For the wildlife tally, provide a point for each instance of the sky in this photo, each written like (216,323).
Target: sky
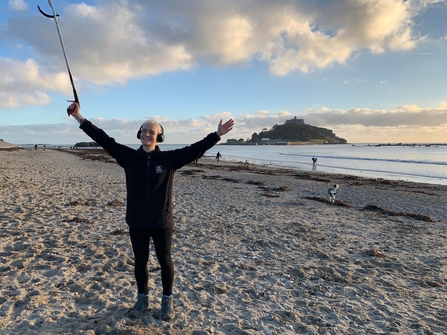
(373,71)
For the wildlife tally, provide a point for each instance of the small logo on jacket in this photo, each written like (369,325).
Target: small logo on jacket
(159,169)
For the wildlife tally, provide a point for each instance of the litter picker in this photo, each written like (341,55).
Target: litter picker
(55,17)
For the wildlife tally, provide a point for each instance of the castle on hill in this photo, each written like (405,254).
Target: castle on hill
(295,121)
(293,131)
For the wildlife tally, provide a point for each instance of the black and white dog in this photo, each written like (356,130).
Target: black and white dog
(332,191)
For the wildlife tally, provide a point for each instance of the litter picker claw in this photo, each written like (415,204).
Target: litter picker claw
(55,17)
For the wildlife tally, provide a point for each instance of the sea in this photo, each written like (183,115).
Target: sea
(422,163)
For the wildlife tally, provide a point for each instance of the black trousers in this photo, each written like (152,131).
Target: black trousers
(162,238)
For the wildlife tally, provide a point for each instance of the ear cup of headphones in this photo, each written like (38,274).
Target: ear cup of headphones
(139,132)
(161,137)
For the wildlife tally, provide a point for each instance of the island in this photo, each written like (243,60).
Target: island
(292,132)
(86,145)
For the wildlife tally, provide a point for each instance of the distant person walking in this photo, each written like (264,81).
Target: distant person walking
(149,181)
(218,156)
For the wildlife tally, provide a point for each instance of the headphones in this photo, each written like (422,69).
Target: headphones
(160,137)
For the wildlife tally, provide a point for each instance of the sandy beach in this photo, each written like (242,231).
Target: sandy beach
(6,145)
(256,251)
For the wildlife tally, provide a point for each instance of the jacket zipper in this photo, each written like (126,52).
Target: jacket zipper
(148,162)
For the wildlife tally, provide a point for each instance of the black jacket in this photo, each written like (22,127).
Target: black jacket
(149,177)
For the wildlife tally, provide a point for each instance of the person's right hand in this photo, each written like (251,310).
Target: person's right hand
(74,108)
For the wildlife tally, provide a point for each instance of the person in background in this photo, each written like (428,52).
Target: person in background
(149,181)
(218,156)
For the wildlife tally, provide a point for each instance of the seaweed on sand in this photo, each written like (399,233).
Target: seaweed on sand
(421,217)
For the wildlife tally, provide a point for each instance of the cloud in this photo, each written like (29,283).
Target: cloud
(115,41)
(410,115)
(408,124)
(18,5)
(402,134)
(356,81)
(424,53)
(24,83)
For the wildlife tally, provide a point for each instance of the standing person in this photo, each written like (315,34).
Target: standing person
(149,180)
(218,156)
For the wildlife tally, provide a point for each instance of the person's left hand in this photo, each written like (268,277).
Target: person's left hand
(222,129)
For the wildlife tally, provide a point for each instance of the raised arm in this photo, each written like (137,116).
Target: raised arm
(98,135)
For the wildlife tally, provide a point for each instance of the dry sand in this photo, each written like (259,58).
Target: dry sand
(6,145)
(256,251)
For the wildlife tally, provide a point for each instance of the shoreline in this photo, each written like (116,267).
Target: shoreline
(100,154)
(420,175)
(257,250)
